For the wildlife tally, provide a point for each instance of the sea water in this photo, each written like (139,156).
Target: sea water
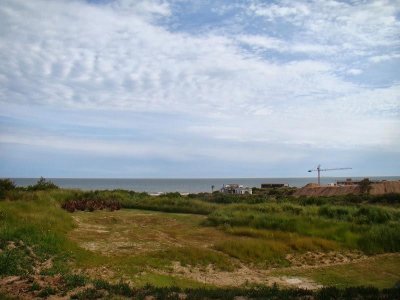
(192,185)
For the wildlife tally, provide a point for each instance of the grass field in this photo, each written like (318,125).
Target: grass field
(215,246)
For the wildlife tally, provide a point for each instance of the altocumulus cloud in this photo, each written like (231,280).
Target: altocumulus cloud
(182,88)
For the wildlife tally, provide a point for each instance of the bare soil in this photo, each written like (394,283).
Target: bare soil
(381,188)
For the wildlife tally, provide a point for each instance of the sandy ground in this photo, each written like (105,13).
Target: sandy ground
(381,188)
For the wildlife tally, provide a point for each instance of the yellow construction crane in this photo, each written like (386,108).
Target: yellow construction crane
(319,170)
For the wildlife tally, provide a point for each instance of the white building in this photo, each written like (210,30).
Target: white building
(235,189)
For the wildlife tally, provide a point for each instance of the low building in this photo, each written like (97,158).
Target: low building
(350,182)
(273,185)
(236,189)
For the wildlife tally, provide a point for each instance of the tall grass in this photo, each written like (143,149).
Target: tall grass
(33,231)
(294,241)
(255,251)
(381,239)
(170,204)
(369,228)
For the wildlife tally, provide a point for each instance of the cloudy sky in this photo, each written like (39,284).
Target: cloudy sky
(198,88)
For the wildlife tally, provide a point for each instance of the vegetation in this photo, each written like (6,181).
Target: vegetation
(42,185)
(90,201)
(5,186)
(365,186)
(207,234)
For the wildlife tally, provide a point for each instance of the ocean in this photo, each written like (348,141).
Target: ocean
(195,185)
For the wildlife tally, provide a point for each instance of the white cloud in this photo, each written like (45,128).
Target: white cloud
(99,57)
(356,26)
(382,58)
(109,58)
(354,71)
(148,8)
(266,42)
(294,10)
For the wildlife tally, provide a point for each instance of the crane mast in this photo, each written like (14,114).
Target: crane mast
(319,170)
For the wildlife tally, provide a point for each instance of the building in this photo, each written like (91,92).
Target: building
(273,185)
(235,189)
(350,181)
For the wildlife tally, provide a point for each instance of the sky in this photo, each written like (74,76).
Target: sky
(199,88)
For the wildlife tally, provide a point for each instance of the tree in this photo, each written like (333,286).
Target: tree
(42,184)
(6,185)
(365,186)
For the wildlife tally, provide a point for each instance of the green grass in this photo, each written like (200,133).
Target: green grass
(40,225)
(254,251)
(173,205)
(370,229)
(140,246)
(293,241)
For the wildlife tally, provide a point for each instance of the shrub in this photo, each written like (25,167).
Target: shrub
(35,286)
(15,261)
(74,280)
(381,238)
(46,292)
(371,215)
(171,195)
(248,250)
(42,185)
(391,198)
(5,186)
(197,257)
(365,186)
(122,289)
(89,294)
(101,284)
(91,201)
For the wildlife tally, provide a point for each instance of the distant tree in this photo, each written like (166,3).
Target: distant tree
(5,186)
(42,184)
(365,186)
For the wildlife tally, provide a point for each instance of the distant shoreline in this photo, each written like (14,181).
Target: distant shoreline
(188,185)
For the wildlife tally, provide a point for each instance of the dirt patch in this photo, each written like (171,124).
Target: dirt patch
(244,275)
(312,259)
(380,188)
(21,287)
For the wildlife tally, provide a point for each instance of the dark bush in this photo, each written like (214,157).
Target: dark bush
(5,186)
(380,239)
(371,215)
(42,185)
(91,201)
(171,195)
(88,294)
(74,280)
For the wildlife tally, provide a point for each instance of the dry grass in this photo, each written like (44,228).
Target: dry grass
(136,232)
(146,247)
(382,271)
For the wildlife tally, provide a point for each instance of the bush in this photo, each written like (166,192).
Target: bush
(46,292)
(5,186)
(91,201)
(88,294)
(74,280)
(196,257)
(15,261)
(371,215)
(249,250)
(380,239)
(42,185)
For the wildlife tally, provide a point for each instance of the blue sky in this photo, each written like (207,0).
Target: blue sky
(181,88)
